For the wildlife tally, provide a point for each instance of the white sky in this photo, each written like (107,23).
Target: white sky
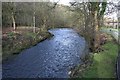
(113,15)
(65,2)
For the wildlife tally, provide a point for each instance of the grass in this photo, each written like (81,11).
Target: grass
(104,63)
(110,28)
(14,43)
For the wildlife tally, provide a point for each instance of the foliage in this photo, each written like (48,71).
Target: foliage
(10,34)
(24,12)
(30,34)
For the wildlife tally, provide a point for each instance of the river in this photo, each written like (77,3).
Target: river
(52,58)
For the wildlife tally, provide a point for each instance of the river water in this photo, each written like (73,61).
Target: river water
(52,58)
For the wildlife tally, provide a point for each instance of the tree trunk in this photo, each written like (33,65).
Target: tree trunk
(34,22)
(101,21)
(91,31)
(96,32)
(34,17)
(13,20)
(44,25)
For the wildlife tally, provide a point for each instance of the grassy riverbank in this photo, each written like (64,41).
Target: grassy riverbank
(104,63)
(101,64)
(14,42)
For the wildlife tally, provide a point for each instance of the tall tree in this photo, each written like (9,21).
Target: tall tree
(97,10)
(93,13)
(13,12)
(34,17)
(9,12)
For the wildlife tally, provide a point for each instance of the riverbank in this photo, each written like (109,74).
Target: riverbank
(51,58)
(103,63)
(113,32)
(15,42)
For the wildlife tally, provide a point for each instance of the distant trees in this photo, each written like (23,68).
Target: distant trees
(32,14)
(18,13)
(86,16)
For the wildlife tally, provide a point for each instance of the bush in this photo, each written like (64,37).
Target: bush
(10,35)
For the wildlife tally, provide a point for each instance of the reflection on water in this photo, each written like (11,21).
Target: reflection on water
(50,58)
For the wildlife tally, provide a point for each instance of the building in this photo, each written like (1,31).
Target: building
(111,23)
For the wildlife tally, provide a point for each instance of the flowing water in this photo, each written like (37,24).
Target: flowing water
(52,58)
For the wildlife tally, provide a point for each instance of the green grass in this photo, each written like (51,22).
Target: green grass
(104,63)
(110,28)
(12,44)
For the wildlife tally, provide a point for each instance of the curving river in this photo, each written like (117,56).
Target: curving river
(51,58)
